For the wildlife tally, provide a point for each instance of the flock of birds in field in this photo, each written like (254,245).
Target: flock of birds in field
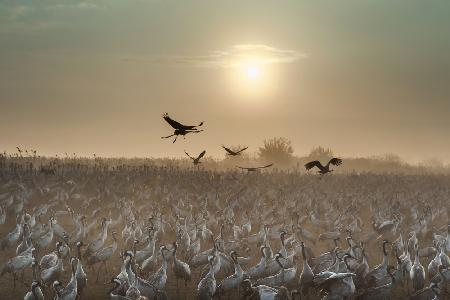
(183,130)
(73,228)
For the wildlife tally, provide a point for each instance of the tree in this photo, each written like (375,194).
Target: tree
(277,150)
(432,163)
(320,153)
(391,158)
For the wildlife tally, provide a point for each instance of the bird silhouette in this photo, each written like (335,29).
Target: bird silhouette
(180,129)
(196,160)
(253,169)
(234,153)
(323,169)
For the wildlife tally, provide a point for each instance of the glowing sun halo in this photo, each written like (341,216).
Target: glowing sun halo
(252,78)
(253,72)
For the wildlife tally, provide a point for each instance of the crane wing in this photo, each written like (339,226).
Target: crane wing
(201,154)
(228,150)
(335,161)
(313,164)
(243,149)
(189,155)
(266,166)
(172,122)
(333,279)
(178,125)
(244,168)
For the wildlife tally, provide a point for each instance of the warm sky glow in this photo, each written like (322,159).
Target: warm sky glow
(93,76)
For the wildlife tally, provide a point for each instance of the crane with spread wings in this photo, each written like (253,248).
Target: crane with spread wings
(180,129)
(323,169)
(234,152)
(196,160)
(253,169)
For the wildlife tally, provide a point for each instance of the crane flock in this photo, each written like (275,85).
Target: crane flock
(92,230)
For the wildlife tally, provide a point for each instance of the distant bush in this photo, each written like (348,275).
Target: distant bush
(321,154)
(433,163)
(277,150)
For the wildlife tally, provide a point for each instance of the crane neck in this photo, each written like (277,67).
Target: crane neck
(416,258)
(385,260)
(33,291)
(303,252)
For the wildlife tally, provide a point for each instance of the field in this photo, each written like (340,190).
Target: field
(185,205)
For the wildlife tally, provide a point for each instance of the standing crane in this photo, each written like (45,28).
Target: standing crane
(233,281)
(180,268)
(79,273)
(54,272)
(117,285)
(307,275)
(98,243)
(377,276)
(70,291)
(35,293)
(417,272)
(159,279)
(103,255)
(207,286)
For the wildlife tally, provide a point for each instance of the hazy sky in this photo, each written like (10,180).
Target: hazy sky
(362,77)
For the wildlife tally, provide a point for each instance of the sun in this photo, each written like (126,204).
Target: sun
(252,78)
(253,72)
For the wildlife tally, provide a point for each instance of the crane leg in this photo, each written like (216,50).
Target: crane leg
(166,137)
(98,273)
(175,139)
(106,269)
(79,294)
(407,285)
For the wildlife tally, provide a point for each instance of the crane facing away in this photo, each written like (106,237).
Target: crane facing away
(234,153)
(323,169)
(196,160)
(253,169)
(180,129)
